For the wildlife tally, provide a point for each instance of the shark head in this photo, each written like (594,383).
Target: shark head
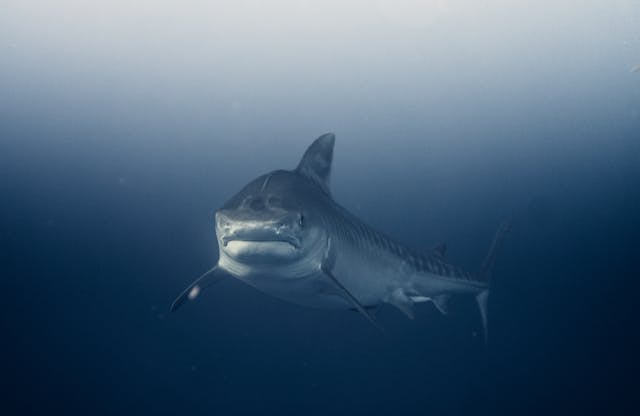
(275,234)
(274,222)
(263,224)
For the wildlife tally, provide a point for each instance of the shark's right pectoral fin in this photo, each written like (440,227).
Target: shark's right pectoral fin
(193,290)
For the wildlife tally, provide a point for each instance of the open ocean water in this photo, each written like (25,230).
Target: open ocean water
(125,125)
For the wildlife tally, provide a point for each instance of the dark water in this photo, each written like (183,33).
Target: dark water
(122,129)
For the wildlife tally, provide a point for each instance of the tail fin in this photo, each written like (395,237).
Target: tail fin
(485,273)
(482,298)
(487,265)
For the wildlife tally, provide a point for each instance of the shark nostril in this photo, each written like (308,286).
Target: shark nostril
(221,220)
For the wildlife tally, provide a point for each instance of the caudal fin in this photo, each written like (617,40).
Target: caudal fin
(482,298)
(486,269)
(485,273)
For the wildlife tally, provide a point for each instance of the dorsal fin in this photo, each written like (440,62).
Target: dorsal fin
(440,250)
(316,162)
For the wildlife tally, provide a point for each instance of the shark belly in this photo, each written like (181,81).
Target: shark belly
(303,283)
(313,290)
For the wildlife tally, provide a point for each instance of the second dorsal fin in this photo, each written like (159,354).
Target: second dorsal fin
(440,250)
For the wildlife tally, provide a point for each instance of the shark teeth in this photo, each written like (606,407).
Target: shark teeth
(292,241)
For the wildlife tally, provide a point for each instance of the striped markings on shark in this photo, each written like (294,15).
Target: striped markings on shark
(285,235)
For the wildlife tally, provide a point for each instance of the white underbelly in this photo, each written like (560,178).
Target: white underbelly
(315,290)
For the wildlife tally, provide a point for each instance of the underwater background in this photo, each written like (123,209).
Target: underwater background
(125,125)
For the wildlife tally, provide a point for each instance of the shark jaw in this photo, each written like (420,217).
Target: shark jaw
(255,242)
(261,251)
(277,259)
(261,231)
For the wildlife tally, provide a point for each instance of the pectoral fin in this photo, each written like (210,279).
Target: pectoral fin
(193,290)
(356,304)
(326,267)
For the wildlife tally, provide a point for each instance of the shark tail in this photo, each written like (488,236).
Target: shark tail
(486,270)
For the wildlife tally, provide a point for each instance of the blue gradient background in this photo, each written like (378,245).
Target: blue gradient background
(124,125)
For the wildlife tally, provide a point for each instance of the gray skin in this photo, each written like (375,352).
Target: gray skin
(285,235)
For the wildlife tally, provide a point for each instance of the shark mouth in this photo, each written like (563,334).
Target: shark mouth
(257,241)
(260,251)
(291,241)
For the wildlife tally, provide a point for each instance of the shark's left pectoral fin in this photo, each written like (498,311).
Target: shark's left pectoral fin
(326,267)
(356,304)
(193,290)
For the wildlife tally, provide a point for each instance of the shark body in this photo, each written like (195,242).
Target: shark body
(285,235)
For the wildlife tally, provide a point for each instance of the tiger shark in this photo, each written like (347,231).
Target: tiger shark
(284,234)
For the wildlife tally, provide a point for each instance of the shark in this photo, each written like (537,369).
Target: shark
(285,235)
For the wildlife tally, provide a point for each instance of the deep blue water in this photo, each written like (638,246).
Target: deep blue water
(115,150)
